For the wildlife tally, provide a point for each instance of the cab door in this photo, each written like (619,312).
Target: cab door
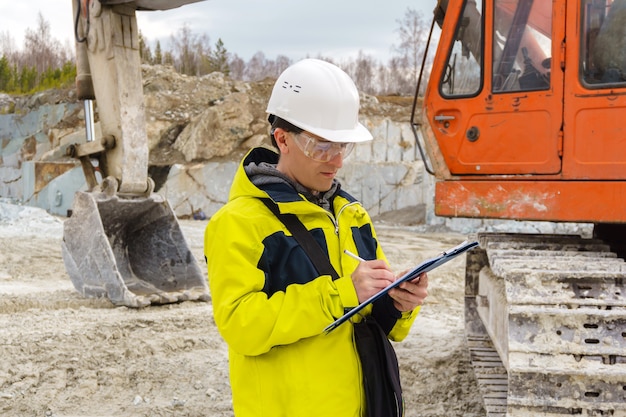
(595,97)
(495,98)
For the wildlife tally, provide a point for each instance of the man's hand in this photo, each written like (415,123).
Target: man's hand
(410,294)
(370,277)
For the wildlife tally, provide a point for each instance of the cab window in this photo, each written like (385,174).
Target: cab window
(522,45)
(603,43)
(463,72)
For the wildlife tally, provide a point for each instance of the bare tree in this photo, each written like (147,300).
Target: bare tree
(259,67)
(7,45)
(188,50)
(41,51)
(256,68)
(331,60)
(399,83)
(362,71)
(237,67)
(413,32)
(383,80)
(282,62)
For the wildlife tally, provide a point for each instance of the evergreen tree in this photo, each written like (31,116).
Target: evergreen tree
(168,58)
(158,55)
(7,76)
(218,58)
(28,79)
(144,50)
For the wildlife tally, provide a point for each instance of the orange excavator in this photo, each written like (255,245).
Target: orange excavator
(523,118)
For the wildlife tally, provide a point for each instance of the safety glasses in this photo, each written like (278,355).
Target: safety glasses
(320,150)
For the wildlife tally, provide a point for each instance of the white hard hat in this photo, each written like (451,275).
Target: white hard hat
(320,98)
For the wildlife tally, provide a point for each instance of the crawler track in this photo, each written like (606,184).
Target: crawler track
(546,325)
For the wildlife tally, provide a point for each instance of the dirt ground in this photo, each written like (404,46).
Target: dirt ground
(65,356)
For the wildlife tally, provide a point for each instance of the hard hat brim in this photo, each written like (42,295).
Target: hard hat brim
(356,135)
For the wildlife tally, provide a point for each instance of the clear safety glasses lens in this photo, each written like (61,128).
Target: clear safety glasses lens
(322,151)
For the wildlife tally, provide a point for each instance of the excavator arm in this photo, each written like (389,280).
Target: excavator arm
(122,241)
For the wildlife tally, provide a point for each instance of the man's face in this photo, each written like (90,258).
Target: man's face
(310,160)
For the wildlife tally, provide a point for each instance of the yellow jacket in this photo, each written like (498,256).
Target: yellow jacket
(271,306)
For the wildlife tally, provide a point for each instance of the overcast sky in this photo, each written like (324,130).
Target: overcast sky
(333,28)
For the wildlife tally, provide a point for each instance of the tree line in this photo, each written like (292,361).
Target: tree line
(45,63)
(42,63)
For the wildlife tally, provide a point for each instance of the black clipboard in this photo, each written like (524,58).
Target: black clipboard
(427,265)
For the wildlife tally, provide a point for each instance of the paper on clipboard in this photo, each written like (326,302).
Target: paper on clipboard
(427,265)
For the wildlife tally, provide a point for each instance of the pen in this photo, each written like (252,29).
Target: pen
(352,255)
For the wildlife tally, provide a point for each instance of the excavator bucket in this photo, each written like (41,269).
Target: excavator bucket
(130,250)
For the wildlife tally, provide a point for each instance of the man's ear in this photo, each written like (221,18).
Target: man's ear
(280,136)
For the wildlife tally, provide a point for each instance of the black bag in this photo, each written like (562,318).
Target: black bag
(381,376)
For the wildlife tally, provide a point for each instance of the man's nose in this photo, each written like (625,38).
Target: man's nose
(337,160)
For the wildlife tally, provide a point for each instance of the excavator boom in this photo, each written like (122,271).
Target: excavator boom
(122,241)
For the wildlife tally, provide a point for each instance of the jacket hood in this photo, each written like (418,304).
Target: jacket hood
(242,186)
(257,177)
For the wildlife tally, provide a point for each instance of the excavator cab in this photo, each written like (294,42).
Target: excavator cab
(522,119)
(122,241)
(522,112)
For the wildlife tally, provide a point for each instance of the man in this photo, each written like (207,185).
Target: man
(269,302)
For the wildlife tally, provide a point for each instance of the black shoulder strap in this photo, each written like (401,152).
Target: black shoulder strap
(305,239)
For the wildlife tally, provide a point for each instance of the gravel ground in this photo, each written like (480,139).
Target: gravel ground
(65,356)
